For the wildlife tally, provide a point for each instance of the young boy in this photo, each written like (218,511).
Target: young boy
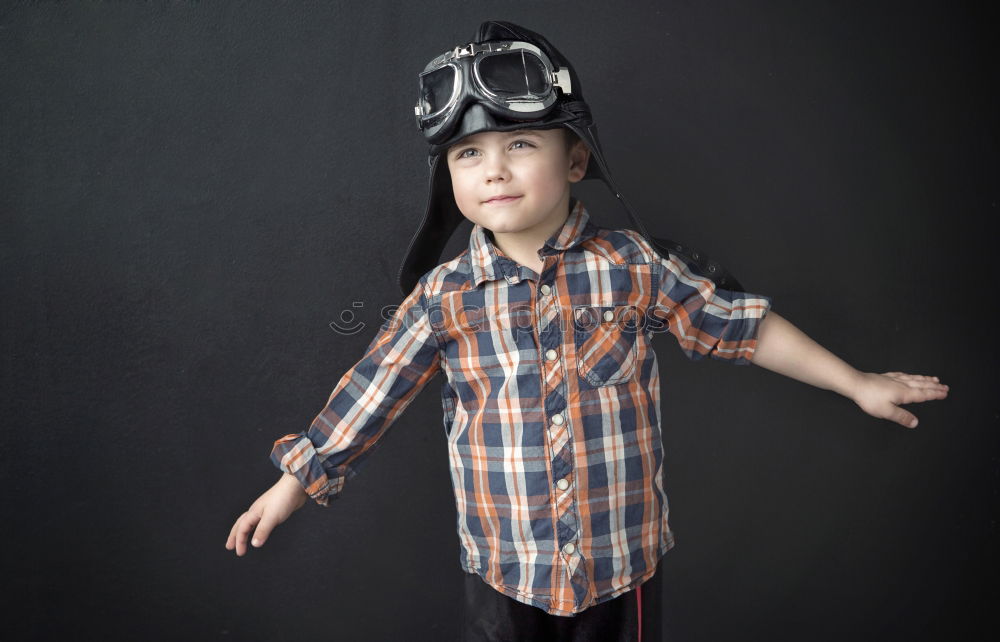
(543,330)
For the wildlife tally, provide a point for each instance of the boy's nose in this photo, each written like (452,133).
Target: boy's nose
(496,170)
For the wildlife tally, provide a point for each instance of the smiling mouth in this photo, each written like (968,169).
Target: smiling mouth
(503,199)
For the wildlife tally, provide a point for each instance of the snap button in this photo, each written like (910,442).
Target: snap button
(550,354)
(545,288)
(569,548)
(557,419)
(562,484)
(609,315)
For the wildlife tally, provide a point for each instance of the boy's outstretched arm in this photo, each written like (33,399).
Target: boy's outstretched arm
(785,349)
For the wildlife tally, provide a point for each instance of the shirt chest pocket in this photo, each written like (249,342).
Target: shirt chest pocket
(606,343)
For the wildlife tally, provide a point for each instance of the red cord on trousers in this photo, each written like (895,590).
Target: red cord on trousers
(638,599)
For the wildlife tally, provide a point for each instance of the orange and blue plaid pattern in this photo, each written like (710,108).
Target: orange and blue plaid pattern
(551,403)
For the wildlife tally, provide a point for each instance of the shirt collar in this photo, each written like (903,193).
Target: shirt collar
(489,264)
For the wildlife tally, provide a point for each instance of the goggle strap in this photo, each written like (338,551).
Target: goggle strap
(462,51)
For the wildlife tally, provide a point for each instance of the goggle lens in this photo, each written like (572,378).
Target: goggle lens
(514,74)
(436,88)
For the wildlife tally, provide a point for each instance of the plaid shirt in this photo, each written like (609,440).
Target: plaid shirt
(551,404)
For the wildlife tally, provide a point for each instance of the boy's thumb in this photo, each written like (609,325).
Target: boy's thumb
(904,418)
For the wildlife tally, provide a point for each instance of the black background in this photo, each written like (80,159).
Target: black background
(192,192)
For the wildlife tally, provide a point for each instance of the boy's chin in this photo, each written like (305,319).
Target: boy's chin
(504,227)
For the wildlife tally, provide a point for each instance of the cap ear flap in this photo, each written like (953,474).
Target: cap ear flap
(441,218)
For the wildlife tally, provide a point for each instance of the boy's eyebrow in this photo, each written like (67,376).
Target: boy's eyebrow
(517,132)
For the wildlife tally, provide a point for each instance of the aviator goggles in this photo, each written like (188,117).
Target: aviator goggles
(512,79)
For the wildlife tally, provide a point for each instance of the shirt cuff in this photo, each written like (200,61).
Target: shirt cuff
(296,455)
(753,310)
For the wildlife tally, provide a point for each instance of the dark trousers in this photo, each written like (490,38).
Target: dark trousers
(491,616)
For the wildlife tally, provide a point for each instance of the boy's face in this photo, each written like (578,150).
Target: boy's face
(532,166)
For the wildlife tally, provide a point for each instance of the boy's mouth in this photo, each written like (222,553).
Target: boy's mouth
(502,199)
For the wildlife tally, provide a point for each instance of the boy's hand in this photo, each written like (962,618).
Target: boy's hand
(879,394)
(270,509)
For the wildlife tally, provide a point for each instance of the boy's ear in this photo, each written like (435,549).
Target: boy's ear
(579,156)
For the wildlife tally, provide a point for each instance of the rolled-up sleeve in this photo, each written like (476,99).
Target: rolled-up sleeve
(707,320)
(397,364)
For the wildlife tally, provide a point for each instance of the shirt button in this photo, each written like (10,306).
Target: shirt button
(546,289)
(550,354)
(609,315)
(569,548)
(562,484)
(557,419)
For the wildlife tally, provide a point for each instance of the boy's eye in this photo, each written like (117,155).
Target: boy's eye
(464,152)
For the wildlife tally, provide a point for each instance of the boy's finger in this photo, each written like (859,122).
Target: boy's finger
(231,541)
(247,522)
(263,531)
(925,392)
